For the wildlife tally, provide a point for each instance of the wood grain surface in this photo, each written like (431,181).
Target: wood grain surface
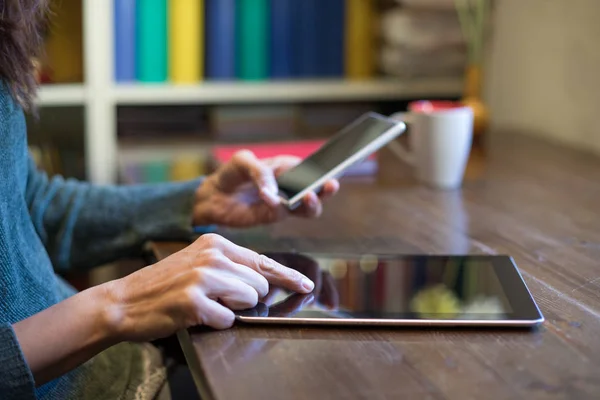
(537,202)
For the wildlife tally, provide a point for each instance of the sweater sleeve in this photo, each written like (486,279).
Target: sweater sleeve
(84,225)
(16,380)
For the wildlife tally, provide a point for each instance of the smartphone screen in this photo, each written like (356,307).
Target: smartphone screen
(335,151)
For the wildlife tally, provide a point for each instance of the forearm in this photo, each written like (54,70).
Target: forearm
(116,221)
(67,334)
(84,225)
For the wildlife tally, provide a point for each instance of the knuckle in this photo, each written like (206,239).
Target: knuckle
(242,155)
(261,173)
(200,277)
(191,296)
(211,240)
(214,257)
(265,264)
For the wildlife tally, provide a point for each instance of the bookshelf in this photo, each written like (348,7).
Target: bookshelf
(286,91)
(70,94)
(100,95)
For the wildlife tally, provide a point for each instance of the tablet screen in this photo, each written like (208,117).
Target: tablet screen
(403,287)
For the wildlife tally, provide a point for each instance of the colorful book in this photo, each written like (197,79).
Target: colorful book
(301,149)
(124,40)
(186,41)
(64,43)
(223,153)
(330,25)
(220,39)
(185,168)
(281,39)
(132,173)
(152,44)
(306,39)
(252,30)
(360,47)
(156,171)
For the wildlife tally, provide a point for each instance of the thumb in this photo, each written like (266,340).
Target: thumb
(246,164)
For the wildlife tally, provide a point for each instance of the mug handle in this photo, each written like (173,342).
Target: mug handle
(396,148)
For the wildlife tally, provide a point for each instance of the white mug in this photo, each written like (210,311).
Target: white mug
(440,135)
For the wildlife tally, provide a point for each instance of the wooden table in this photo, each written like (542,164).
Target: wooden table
(537,202)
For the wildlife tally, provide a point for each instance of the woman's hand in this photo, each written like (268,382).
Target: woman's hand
(324,292)
(243,193)
(199,285)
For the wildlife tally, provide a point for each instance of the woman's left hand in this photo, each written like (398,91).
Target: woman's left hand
(243,193)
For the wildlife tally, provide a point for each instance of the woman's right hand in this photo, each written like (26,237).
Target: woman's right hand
(199,285)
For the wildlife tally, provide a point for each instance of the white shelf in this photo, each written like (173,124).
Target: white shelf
(291,91)
(252,92)
(61,95)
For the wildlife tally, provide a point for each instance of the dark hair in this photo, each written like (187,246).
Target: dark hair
(20,41)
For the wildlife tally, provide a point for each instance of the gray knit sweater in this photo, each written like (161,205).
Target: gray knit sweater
(55,224)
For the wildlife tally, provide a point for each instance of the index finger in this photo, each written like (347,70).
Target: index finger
(274,272)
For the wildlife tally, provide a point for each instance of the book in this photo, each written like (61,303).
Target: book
(220,39)
(156,171)
(186,168)
(281,39)
(360,38)
(131,173)
(252,29)
(305,44)
(124,40)
(186,42)
(64,42)
(152,44)
(330,27)
(301,149)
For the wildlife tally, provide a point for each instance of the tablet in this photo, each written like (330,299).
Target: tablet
(401,290)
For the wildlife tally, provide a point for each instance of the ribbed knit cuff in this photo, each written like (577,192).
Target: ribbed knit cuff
(16,380)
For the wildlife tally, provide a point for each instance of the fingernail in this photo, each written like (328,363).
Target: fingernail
(308,284)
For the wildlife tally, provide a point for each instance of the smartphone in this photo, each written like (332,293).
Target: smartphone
(351,145)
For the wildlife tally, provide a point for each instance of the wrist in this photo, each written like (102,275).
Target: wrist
(111,314)
(60,338)
(202,212)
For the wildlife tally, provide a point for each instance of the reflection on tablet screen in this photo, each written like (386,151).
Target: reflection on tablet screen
(369,286)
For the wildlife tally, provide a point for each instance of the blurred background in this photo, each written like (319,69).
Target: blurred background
(158,90)
(137,91)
